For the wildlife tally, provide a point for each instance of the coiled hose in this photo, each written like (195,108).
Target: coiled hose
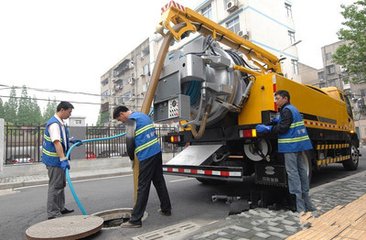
(68,179)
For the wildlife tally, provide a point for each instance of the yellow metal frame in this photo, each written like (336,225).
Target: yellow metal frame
(194,22)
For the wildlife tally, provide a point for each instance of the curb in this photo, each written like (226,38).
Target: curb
(13,185)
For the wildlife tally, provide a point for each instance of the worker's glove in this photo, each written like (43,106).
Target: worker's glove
(75,141)
(263,128)
(275,120)
(65,164)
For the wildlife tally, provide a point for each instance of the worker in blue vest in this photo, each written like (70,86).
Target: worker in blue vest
(293,141)
(54,148)
(147,149)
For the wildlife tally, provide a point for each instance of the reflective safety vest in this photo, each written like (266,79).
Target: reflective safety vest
(296,139)
(146,140)
(49,154)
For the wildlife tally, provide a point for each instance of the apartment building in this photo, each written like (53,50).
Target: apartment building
(331,74)
(309,75)
(270,26)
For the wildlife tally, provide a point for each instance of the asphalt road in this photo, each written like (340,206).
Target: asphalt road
(191,200)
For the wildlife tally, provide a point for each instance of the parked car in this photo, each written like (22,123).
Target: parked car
(90,155)
(109,154)
(20,158)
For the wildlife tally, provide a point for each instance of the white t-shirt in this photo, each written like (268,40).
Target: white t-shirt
(54,130)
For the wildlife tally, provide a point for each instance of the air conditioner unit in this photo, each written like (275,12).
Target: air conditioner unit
(243,34)
(231,5)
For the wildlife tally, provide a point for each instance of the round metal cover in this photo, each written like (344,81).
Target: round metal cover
(71,227)
(251,150)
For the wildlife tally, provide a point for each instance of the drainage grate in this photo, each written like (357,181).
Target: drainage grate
(169,232)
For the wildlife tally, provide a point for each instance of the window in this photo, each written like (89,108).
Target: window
(291,34)
(349,107)
(328,56)
(146,70)
(121,101)
(321,76)
(126,96)
(105,82)
(233,25)
(363,92)
(207,11)
(288,10)
(295,67)
(105,94)
(330,69)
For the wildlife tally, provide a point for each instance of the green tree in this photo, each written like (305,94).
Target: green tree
(36,112)
(103,118)
(50,110)
(2,114)
(24,116)
(352,55)
(11,107)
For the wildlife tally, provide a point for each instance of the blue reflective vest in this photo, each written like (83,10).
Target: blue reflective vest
(49,154)
(296,139)
(146,140)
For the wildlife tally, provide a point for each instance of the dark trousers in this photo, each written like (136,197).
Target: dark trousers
(56,194)
(150,170)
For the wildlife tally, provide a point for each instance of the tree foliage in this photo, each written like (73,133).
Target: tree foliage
(103,118)
(11,107)
(37,118)
(352,55)
(2,114)
(50,110)
(25,113)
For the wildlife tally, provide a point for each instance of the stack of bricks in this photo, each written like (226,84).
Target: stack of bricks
(346,222)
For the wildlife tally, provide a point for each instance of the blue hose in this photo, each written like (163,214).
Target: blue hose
(71,186)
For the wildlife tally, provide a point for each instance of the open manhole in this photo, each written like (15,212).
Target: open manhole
(113,218)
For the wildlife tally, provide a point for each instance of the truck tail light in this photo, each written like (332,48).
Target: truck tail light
(174,139)
(248,133)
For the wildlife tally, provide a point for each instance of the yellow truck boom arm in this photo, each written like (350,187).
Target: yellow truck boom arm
(174,14)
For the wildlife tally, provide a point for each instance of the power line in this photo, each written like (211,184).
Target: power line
(67,92)
(43,99)
(50,90)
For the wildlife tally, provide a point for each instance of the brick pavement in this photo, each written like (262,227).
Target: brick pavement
(266,224)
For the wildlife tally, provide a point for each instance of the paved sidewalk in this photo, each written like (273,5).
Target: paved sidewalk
(262,223)
(22,181)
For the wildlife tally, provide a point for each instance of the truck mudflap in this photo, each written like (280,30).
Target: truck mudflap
(274,175)
(190,163)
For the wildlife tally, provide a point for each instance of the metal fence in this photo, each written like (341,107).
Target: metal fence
(24,144)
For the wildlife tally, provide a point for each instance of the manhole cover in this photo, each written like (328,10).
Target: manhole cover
(113,218)
(71,227)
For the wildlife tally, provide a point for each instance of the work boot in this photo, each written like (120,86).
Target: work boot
(165,213)
(130,225)
(66,211)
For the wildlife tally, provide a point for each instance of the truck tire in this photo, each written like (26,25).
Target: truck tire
(352,163)
(309,166)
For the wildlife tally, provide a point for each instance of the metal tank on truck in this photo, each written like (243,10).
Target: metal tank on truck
(219,87)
